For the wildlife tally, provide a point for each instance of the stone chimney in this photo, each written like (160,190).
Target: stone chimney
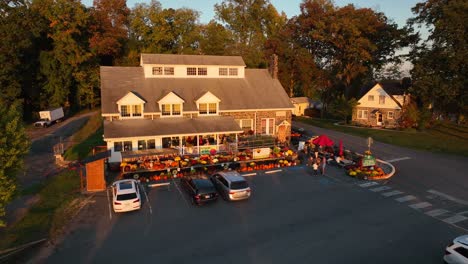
(274,66)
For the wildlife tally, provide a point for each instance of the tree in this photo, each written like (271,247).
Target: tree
(251,23)
(68,50)
(14,145)
(157,30)
(440,69)
(109,28)
(17,31)
(215,39)
(343,108)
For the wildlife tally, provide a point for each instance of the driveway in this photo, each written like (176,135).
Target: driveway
(40,162)
(292,217)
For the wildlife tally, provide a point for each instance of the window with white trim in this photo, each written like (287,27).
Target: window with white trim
(223,71)
(390,115)
(171,109)
(118,146)
(124,111)
(208,108)
(191,71)
(370,98)
(268,126)
(168,70)
(246,124)
(131,110)
(136,110)
(157,70)
(382,99)
(233,71)
(202,71)
(362,114)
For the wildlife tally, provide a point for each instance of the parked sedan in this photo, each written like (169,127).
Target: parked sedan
(200,190)
(126,195)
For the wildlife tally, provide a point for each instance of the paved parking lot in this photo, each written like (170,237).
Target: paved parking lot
(292,217)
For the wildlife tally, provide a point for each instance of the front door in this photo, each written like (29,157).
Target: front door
(379,118)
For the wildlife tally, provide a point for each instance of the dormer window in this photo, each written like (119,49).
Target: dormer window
(208,108)
(171,105)
(228,71)
(160,70)
(130,110)
(171,109)
(131,105)
(208,104)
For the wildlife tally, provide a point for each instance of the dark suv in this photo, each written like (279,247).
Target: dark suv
(200,190)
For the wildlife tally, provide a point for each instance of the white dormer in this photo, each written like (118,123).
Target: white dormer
(131,106)
(208,104)
(171,105)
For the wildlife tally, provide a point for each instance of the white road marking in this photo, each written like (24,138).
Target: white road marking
(398,159)
(405,198)
(420,205)
(379,189)
(448,197)
(392,193)
(181,194)
(437,212)
(147,198)
(273,171)
(109,203)
(368,184)
(249,174)
(455,219)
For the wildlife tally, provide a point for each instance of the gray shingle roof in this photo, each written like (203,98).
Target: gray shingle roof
(300,100)
(256,91)
(170,126)
(173,59)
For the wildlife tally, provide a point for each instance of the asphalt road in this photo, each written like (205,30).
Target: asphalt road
(292,217)
(438,179)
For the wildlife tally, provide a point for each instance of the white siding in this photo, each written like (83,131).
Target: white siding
(377,91)
(180,71)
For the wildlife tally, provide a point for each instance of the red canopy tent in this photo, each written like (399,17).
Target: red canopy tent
(323,140)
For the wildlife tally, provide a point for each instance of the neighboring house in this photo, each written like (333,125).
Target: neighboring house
(381,104)
(191,103)
(300,104)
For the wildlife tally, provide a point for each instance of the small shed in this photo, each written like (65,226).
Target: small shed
(95,172)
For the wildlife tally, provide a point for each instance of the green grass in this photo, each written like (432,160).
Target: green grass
(88,136)
(442,138)
(55,196)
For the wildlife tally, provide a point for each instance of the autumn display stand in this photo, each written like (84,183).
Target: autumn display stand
(366,168)
(162,168)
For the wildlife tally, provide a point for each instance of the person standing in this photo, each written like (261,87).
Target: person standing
(315,166)
(324,163)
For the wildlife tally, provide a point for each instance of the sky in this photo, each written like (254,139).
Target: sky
(397,10)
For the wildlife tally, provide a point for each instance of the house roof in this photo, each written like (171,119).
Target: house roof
(236,94)
(390,87)
(170,126)
(300,100)
(173,59)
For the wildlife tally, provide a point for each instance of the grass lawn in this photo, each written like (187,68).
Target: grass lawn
(443,137)
(49,214)
(89,136)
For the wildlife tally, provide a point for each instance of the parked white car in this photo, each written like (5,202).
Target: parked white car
(126,195)
(457,251)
